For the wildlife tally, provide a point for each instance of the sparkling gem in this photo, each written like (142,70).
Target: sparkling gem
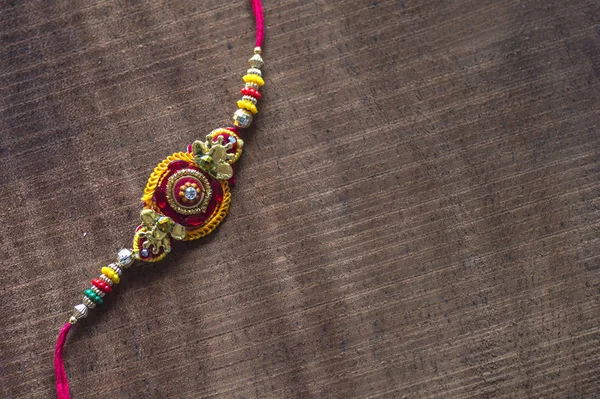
(144,253)
(125,257)
(242,118)
(206,162)
(191,193)
(232,140)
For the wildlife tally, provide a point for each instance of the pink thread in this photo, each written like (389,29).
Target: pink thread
(62,383)
(260,21)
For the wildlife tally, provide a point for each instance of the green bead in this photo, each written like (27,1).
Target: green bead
(93,296)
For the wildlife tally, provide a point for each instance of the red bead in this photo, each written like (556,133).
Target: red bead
(101,285)
(249,91)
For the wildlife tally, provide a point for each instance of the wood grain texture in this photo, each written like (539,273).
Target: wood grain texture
(416,214)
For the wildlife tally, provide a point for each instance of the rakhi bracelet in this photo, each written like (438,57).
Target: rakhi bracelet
(187,196)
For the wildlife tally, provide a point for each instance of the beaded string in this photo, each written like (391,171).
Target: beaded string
(186,197)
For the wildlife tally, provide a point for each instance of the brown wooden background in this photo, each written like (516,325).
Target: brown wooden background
(416,214)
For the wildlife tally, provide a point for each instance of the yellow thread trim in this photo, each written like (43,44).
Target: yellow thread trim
(215,219)
(155,178)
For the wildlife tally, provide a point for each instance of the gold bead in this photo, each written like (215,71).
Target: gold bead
(256,61)
(116,268)
(88,302)
(242,118)
(254,71)
(257,50)
(97,291)
(106,279)
(79,312)
(250,98)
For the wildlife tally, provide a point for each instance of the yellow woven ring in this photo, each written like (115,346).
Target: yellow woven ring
(156,176)
(215,219)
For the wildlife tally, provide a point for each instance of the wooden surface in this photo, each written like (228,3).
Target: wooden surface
(415,215)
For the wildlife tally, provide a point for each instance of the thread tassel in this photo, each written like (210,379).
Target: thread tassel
(62,383)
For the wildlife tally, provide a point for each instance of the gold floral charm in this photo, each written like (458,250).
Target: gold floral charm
(213,156)
(152,240)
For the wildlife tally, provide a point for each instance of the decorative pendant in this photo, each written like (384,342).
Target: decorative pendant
(187,195)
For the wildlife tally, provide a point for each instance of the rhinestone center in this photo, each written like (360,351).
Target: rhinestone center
(191,193)
(188,192)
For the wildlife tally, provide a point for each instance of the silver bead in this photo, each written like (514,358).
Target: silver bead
(88,302)
(97,291)
(256,61)
(106,280)
(252,85)
(242,118)
(254,71)
(79,312)
(125,257)
(116,268)
(250,98)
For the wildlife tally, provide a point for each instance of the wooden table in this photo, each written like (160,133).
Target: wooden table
(416,214)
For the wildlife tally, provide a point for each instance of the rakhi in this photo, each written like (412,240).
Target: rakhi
(187,196)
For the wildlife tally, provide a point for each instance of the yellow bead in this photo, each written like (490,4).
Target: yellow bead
(110,273)
(247,105)
(254,79)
